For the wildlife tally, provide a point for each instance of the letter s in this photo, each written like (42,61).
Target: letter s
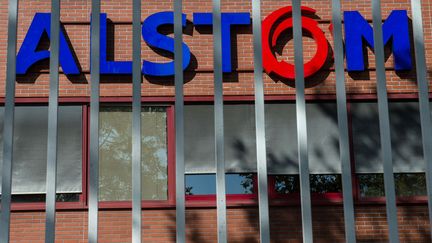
(154,39)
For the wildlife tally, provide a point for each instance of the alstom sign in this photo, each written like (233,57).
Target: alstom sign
(358,35)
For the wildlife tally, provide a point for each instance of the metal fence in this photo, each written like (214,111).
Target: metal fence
(306,214)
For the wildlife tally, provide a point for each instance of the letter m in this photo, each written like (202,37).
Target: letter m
(395,28)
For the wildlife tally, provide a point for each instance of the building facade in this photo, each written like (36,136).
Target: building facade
(158,130)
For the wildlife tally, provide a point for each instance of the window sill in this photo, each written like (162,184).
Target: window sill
(233,200)
(149,204)
(316,199)
(40,206)
(419,200)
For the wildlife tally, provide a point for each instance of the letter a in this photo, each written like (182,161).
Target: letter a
(29,55)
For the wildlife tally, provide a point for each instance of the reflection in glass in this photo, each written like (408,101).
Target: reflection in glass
(115,141)
(60,197)
(407,184)
(205,184)
(285,184)
(30,149)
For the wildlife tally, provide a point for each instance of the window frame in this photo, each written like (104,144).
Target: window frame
(170,201)
(84,102)
(358,199)
(276,199)
(233,200)
(81,203)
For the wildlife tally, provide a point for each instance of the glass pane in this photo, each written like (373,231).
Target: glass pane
(30,149)
(407,184)
(60,197)
(205,184)
(239,130)
(412,184)
(115,153)
(371,185)
(323,147)
(325,183)
(407,152)
(239,183)
(285,184)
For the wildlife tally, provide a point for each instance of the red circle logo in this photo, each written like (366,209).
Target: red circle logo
(271,33)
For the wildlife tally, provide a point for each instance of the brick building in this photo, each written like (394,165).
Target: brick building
(158,129)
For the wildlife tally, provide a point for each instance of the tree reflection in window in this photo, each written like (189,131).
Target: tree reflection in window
(205,184)
(115,143)
(406,184)
(285,184)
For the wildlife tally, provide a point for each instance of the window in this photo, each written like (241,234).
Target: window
(115,140)
(30,148)
(199,150)
(323,148)
(30,142)
(407,151)
(323,138)
(281,140)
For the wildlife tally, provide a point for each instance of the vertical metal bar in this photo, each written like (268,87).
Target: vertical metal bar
(94,124)
(260,125)
(423,87)
(136,123)
(9,122)
(219,123)
(179,123)
(51,176)
(384,123)
(348,203)
(306,210)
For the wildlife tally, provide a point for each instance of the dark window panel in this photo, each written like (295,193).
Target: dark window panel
(205,184)
(60,197)
(285,184)
(407,184)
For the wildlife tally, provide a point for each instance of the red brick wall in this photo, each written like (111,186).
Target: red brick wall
(159,225)
(76,14)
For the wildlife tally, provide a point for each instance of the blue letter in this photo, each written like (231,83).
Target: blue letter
(395,27)
(154,39)
(110,67)
(228,19)
(27,55)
